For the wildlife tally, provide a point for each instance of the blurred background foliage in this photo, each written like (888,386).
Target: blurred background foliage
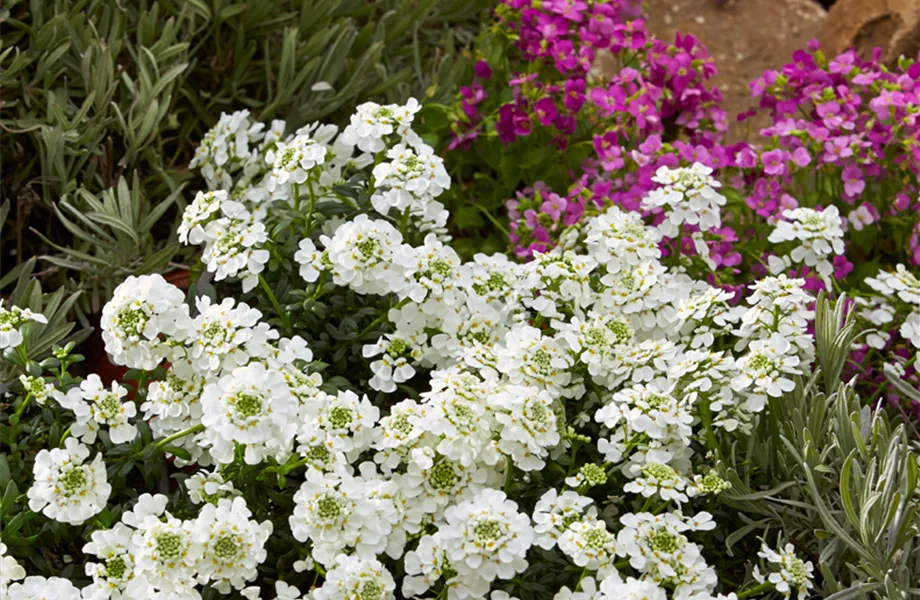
(102,103)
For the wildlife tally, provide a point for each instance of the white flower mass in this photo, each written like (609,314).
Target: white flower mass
(426,474)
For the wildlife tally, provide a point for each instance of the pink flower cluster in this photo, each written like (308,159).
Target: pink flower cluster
(657,92)
(843,129)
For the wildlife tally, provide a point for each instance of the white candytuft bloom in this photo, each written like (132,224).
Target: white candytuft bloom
(617,238)
(174,404)
(487,538)
(657,547)
(790,573)
(11,320)
(293,161)
(204,208)
(614,588)
(368,256)
(225,148)
(769,366)
(356,578)
(690,195)
(168,554)
(209,487)
(225,336)
(10,571)
(346,421)
(309,259)
(251,407)
(555,512)
(372,124)
(94,405)
(529,428)
(41,588)
(233,544)
(820,235)
(65,489)
(589,544)
(114,576)
(411,179)
(145,315)
(530,358)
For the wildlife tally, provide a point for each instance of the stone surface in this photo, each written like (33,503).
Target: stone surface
(893,25)
(746,37)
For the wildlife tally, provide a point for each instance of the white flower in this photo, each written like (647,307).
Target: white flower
(203,209)
(10,570)
(309,259)
(11,320)
(38,388)
(910,329)
(461,421)
(487,538)
(400,432)
(234,249)
(618,238)
(396,355)
(411,179)
(902,283)
(557,283)
(530,358)
(174,404)
(820,234)
(657,478)
(372,124)
(225,336)
(225,148)
(294,160)
(40,588)
(614,588)
(233,544)
(435,279)
(589,544)
(368,256)
(347,421)
(529,428)
(93,406)
(861,217)
(555,512)
(767,365)
(252,407)
(114,576)
(145,314)
(791,573)
(691,196)
(437,482)
(657,547)
(209,487)
(335,513)
(493,278)
(356,578)
(167,554)
(65,489)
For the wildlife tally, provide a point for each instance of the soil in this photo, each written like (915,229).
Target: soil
(746,37)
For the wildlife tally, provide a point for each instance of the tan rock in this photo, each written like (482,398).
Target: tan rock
(893,25)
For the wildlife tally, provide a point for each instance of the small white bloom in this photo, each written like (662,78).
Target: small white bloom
(11,320)
(65,489)
(143,317)
(356,578)
(40,588)
(233,544)
(94,405)
(791,573)
(252,407)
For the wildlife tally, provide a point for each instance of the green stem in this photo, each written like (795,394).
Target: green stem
(706,418)
(64,437)
(191,430)
(274,301)
(760,589)
(309,227)
(508,474)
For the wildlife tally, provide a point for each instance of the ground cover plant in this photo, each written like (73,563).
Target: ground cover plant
(639,382)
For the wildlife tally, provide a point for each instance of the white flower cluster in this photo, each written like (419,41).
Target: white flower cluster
(788,573)
(820,235)
(688,196)
(11,320)
(520,370)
